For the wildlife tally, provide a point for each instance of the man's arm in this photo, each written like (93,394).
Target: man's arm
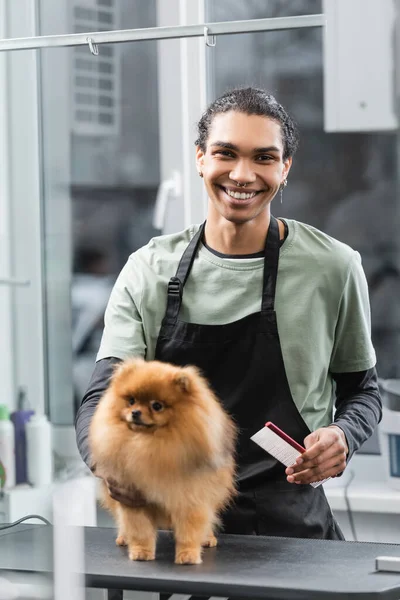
(358,403)
(358,406)
(358,411)
(97,386)
(123,337)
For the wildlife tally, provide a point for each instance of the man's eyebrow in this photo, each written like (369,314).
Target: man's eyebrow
(227,145)
(230,146)
(267,149)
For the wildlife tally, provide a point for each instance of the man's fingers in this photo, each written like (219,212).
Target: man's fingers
(310,476)
(326,456)
(321,448)
(127,497)
(121,497)
(331,456)
(321,452)
(328,469)
(114,492)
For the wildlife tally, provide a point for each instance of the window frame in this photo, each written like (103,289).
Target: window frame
(20,140)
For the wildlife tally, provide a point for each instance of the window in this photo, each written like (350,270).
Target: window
(342,183)
(99,195)
(99,73)
(108,142)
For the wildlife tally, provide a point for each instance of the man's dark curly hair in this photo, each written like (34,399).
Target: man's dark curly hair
(251,101)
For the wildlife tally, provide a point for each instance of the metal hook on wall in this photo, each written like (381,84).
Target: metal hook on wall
(210,40)
(94,49)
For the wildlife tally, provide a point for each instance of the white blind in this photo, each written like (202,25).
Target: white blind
(95,79)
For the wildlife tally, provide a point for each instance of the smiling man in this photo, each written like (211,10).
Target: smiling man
(243,166)
(274,312)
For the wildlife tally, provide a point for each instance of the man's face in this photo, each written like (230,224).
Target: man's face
(247,149)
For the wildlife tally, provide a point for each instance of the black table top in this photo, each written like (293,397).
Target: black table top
(254,567)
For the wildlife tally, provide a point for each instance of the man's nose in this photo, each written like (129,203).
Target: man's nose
(243,172)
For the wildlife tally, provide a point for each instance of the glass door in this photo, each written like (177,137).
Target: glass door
(106,145)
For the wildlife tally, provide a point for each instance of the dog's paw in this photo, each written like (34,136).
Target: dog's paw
(188,557)
(120,541)
(137,553)
(210,542)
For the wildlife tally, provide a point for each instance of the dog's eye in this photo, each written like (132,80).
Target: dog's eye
(157,406)
(131,400)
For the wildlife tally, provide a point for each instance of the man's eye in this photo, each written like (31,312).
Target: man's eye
(224,153)
(264,157)
(131,400)
(157,406)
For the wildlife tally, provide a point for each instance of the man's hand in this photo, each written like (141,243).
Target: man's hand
(325,456)
(128,496)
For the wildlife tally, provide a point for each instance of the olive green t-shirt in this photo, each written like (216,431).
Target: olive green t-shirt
(321,303)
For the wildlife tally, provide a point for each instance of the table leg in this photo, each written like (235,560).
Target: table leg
(115,595)
(134,595)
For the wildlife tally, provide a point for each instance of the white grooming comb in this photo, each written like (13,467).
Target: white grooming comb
(281,446)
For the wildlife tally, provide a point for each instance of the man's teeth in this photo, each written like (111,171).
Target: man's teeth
(240,196)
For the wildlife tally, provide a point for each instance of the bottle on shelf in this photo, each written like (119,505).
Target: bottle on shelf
(39,450)
(20,417)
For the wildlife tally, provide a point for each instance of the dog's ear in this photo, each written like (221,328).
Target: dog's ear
(187,378)
(182,380)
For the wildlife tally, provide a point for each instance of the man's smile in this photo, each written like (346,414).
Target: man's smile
(244,196)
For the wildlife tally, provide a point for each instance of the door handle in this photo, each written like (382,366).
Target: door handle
(14,282)
(168,188)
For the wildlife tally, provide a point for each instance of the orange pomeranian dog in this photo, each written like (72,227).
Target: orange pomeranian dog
(160,430)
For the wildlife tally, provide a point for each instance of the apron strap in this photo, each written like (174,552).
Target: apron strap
(271,260)
(176,283)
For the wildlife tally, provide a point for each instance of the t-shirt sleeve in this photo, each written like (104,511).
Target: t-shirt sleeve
(123,335)
(353,349)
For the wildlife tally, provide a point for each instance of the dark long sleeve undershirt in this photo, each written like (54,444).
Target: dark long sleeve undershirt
(358,405)
(98,384)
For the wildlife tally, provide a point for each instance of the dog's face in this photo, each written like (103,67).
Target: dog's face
(148,395)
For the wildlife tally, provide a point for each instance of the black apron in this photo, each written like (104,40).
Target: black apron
(244,364)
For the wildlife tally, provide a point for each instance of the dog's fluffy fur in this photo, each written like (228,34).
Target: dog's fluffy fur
(160,429)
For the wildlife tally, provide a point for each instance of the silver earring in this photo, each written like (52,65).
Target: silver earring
(282,187)
(200,174)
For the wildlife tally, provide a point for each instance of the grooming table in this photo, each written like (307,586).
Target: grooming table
(241,566)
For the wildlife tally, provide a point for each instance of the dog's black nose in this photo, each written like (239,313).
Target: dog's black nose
(136,414)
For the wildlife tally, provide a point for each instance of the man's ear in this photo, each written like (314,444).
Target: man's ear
(199,159)
(286,166)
